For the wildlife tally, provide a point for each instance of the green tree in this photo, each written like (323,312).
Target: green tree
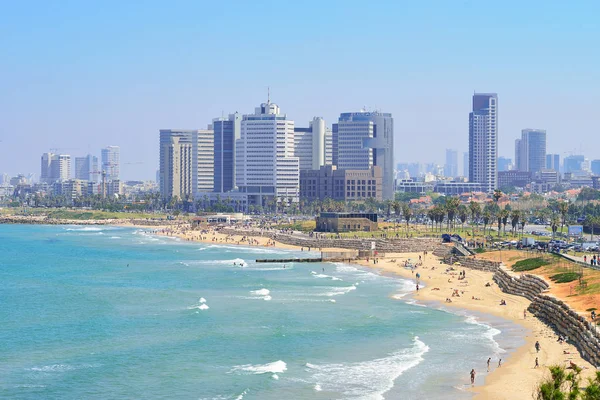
(497,195)
(463,214)
(515,215)
(504,214)
(560,385)
(487,217)
(452,204)
(563,209)
(407,213)
(475,209)
(554,221)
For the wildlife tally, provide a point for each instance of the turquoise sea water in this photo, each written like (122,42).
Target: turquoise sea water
(114,313)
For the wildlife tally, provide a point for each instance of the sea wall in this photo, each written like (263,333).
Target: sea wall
(410,245)
(556,313)
(473,263)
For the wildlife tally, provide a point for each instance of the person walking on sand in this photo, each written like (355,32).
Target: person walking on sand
(525,314)
(472,377)
(499,363)
(488,364)
(537,346)
(536,363)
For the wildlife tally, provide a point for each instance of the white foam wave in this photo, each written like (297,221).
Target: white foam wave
(356,272)
(276,367)
(318,388)
(261,292)
(489,334)
(202,300)
(86,229)
(338,290)
(316,275)
(115,237)
(241,395)
(368,379)
(61,367)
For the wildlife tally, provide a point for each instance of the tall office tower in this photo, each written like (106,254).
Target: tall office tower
(227,132)
(574,163)
(530,150)
(519,163)
(595,167)
(266,167)
(451,166)
(466,164)
(110,162)
(4,179)
(86,168)
(328,146)
(504,164)
(312,145)
(46,168)
(483,141)
(175,163)
(553,161)
(364,139)
(55,167)
(203,161)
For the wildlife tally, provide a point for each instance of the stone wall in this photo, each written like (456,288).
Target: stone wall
(554,312)
(410,245)
(473,263)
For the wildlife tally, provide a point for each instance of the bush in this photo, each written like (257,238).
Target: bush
(591,309)
(529,264)
(479,250)
(565,277)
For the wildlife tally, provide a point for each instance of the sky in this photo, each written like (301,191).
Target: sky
(81,75)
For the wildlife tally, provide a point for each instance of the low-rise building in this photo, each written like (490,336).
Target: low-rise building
(457,188)
(346,222)
(513,178)
(412,186)
(341,184)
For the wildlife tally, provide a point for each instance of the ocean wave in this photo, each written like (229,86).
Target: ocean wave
(115,237)
(262,294)
(87,229)
(245,249)
(489,334)
(357,272)
(317,275)
(61,367)
(367,379)
(276,367)
(338,290)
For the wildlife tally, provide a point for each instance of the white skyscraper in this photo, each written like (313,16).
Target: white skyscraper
(86,168)
(55,167)
(203,160)
(483,141)
(110,162)
(265,163)
(312,145)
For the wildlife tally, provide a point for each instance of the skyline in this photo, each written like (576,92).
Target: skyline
(108,75)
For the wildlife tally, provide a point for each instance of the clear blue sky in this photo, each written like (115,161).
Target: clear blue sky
(83,74)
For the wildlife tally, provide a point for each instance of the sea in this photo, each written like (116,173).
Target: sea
(100,312)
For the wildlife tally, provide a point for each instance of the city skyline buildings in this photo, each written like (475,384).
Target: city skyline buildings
(111,162)
(530,150)
(483,141)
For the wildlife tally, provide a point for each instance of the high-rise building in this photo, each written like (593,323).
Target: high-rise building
(227,132)
(553,162)
(203,160)
(483,141)
(266,168)
(595,167)
(55,167)
(86,168)
(504,164)
(574,163)
(530,150)
(365,139)
(110,162)
(176,163)
(451,166)
(312,145)
(466,164)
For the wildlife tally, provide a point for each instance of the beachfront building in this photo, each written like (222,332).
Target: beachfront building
(110,156)
(266,168)
(361,140)
(341,184)
(226,133)
(312,145)
(483,141)
(203,160)
(175,163)
(346,222)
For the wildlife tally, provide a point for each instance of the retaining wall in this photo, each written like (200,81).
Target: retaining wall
(554,312)
(473,263)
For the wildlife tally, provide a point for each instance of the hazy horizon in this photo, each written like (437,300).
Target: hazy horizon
(86,76)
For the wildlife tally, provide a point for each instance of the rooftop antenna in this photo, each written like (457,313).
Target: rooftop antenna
(268,95)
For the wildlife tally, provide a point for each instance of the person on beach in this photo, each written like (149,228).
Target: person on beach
(472,377)
(536,363)
(488,364)
(525,314)
(499,363)
(537,346)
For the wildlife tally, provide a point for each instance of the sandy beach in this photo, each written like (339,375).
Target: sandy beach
(516,378)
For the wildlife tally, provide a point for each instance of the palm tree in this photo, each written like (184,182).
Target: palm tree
(514,219)
(497,195)
(487,217)
(563,209)
(431,216)
(475,209)
(554,221)
(590,221)
(504,214)
(452,204)
(407,213)
(463,214)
